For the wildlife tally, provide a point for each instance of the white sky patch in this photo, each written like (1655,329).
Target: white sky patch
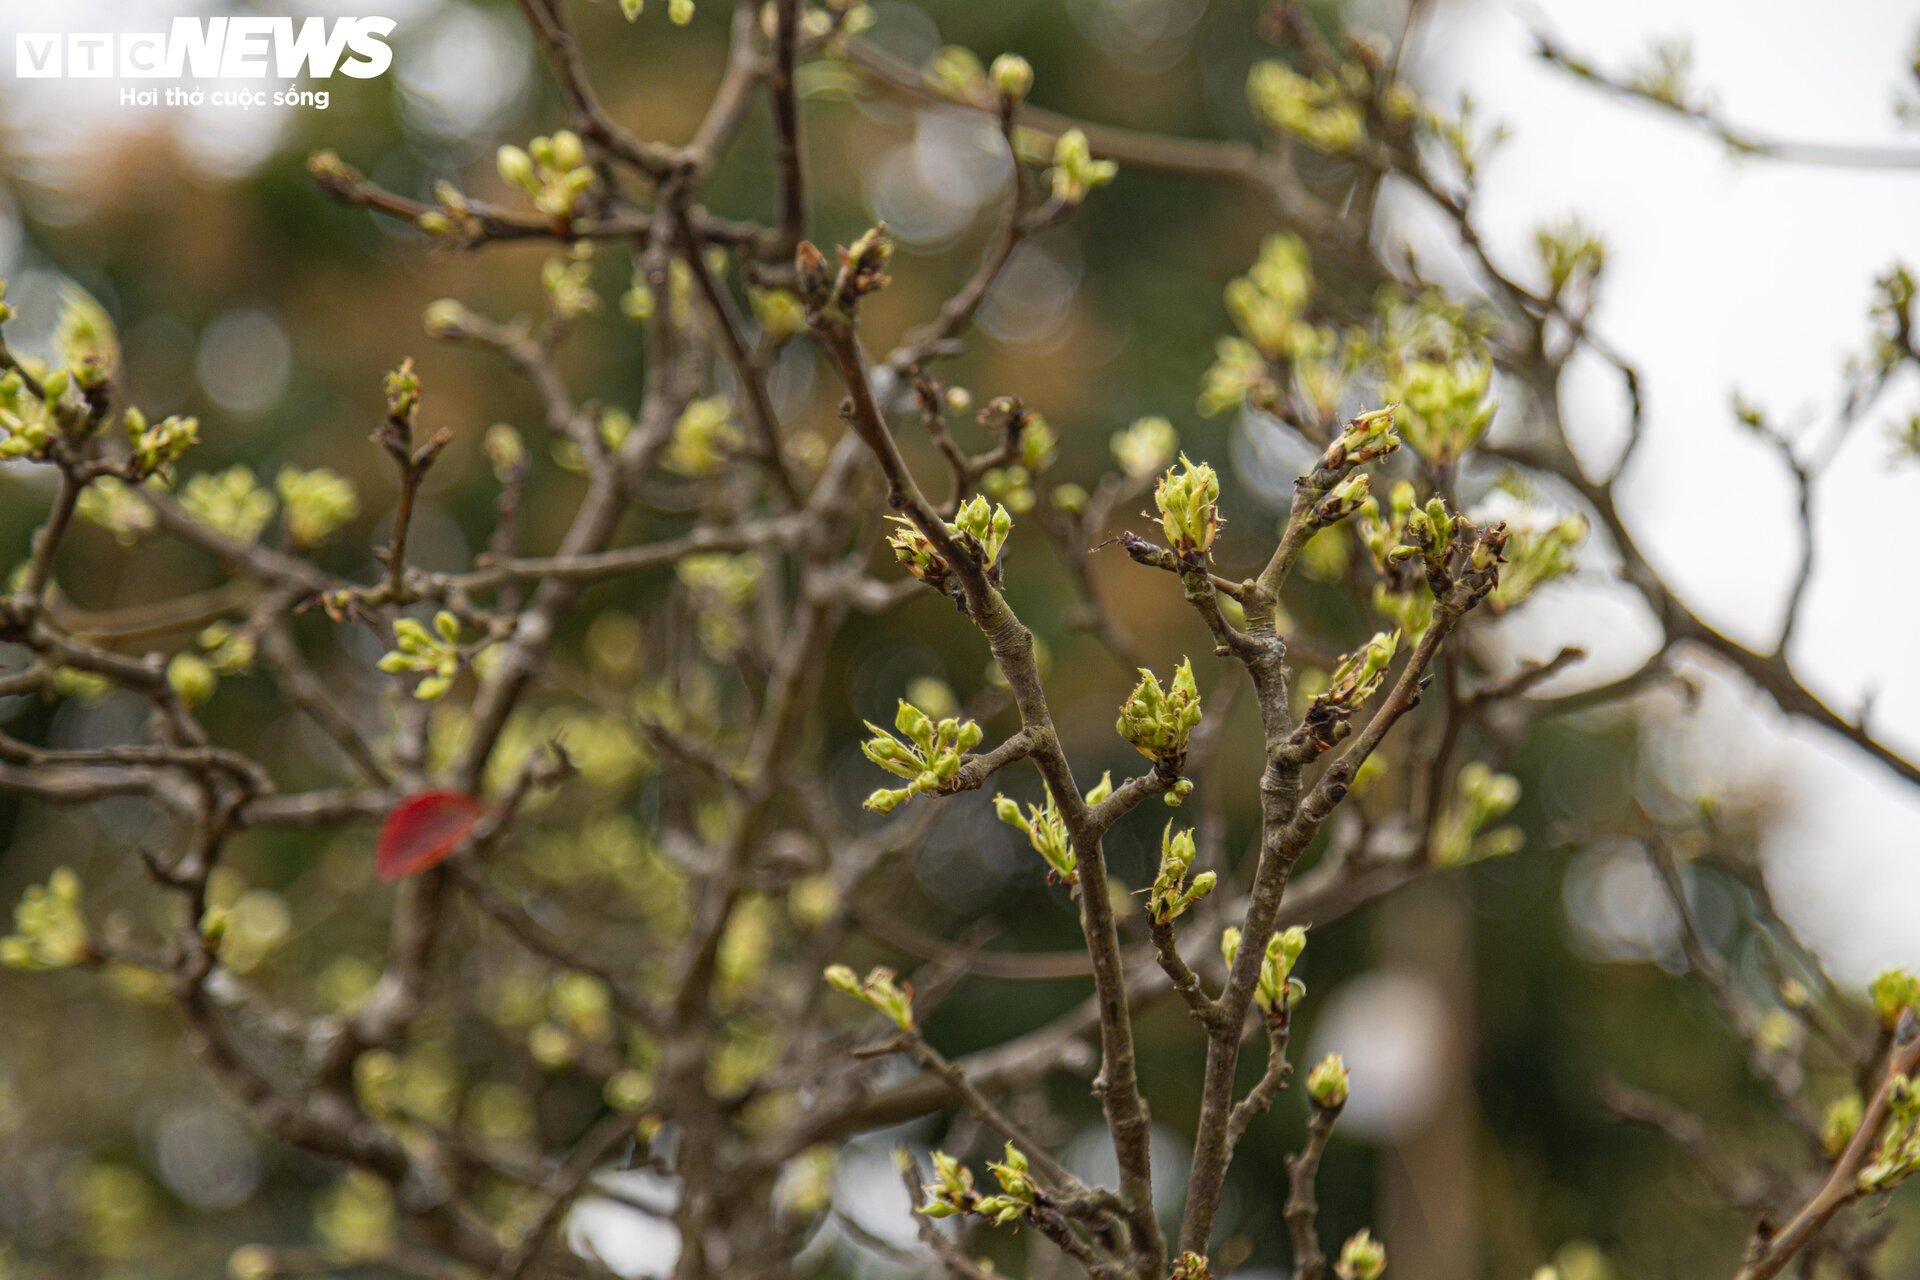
(1748,274)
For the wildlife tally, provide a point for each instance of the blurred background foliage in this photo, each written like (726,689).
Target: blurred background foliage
(1500,998)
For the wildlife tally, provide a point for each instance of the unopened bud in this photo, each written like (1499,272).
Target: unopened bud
(568,151)
(1012,77)
(445,318)
(516,166)
(810,266)
(1327,1083)
(191,678)
(1362,1258)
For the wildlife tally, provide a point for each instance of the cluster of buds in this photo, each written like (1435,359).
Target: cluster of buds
(1366,437)
(1159,722)
(1359,675)
(952,1192)
(1571,254)
(1898,1156)
(1383,533)
(1171,894)
(1019,1194)
(1486,555)
(1430,534)
(155,445)
(1892,314)
(1663,76)
(434,654)
(314,504)
(1327,1083)
(115,506)
(1075,173)
(85,341)
(402,388)
(1356,678)
(1448,547)
(1145,448)
(915,551)
(28,426)
(49,931)
(1277,990)
(1192,1266)
(979,530)
(863,270)
(230,651)
(863,264)
(1269,303)
(1343,499)
(1446,404)
(192,678)
(1892,993)
(1188,497)
(836,18)
(453,219)
(1484,798)
(928,757)
(704,438)
(1320,111)
(1238,374)
(553,170)
(982,530)
(1047,830)
(780,314)
(1536,557)
(954,71)
(1361,1258)
(1385,538)
(568,281)
(880,990)
(230,503)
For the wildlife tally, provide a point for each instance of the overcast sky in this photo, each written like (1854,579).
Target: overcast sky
(1727,274)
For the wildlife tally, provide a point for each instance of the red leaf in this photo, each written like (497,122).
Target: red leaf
(422,830)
